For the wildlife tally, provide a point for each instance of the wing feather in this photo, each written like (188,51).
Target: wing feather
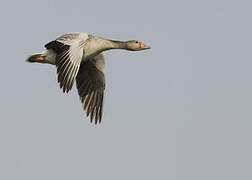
(70,51)
(91,85)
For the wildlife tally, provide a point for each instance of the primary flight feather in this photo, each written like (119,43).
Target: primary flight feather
(78,56)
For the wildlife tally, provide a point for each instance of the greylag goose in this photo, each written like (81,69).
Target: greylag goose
(78,56)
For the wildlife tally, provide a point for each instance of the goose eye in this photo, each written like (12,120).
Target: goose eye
(137,42)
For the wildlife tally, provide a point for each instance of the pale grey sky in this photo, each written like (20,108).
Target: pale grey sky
(181,110)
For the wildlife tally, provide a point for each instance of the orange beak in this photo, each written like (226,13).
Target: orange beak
(144,46)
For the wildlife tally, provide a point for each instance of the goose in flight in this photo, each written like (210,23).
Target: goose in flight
(78,56)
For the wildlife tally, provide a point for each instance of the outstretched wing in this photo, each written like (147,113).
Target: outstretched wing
(91,85)
(69,49)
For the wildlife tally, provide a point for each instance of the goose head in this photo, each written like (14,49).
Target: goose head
(134,45)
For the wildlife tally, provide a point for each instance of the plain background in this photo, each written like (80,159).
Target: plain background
(181,110)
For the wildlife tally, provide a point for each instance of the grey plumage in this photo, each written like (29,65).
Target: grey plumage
(90,83)
(78,56)
(70,51)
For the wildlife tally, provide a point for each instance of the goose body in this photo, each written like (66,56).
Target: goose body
(78,56)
